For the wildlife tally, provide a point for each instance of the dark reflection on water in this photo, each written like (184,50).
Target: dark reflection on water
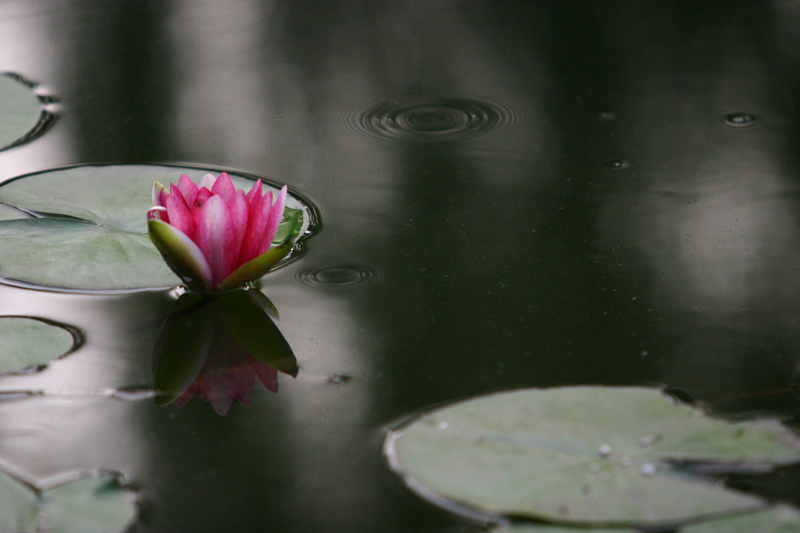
(509,259)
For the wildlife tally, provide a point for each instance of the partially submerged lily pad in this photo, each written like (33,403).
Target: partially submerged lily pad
(27,342)
(85,503)
(90,227)
(21,111)
(585,455)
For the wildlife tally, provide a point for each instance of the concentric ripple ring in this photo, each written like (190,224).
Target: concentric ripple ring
(432,119)
(341,276)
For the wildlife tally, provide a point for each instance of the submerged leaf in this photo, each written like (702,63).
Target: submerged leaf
(588,455)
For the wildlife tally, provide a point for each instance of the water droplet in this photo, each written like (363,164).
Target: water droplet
(594,468)
(605,117)
(625,461)
(605,450)
(339,378)
(649,440)
(647,469)
(432,119)
(443,425)
(617,164)
(739,120)
(343,276)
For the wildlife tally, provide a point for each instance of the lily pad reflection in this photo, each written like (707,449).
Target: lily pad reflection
(89,230)
(27,343)
(585,455)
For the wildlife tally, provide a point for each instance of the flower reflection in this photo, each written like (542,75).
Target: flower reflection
(217,346)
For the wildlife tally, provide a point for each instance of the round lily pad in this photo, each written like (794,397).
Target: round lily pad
(89,228)
(28,342)
(85,503)
(606,456)
(21,112)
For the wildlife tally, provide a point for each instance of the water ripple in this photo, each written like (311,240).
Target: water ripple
(432,119)
(342,276)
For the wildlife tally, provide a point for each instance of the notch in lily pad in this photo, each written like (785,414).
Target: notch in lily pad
(77,502)
(30,344)
(585,456)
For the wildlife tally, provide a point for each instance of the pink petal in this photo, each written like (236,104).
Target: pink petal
(267,375)
(224,187)
(157,195)
(239,214)
(188,188)
(158,213)
(214,235)
(257,221)
(254,191)
(207,181)
(275,217)
(179,214)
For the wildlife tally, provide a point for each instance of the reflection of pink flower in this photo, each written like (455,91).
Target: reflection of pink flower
(229,373)
(215,237)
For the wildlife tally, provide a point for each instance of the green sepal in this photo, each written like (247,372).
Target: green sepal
(256,268)
(181,255)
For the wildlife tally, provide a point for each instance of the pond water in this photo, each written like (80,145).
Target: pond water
(511,195)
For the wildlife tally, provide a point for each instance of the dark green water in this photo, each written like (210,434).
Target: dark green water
(513,194)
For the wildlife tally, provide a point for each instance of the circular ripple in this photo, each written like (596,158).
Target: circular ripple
(342,276)
(739,120)
(432,119)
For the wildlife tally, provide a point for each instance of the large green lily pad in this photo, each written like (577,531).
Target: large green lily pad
(20,111)
(585,455)
(80,504)
(27,342)
(90,230)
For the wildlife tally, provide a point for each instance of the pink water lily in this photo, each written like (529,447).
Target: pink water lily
(214,237)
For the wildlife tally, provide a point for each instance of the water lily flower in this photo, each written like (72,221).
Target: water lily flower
(214,237)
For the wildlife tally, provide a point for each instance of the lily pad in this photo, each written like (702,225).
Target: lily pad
(90,228)
(778,519)
(80,504)
(27,342)
(20,111)
(585,455)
